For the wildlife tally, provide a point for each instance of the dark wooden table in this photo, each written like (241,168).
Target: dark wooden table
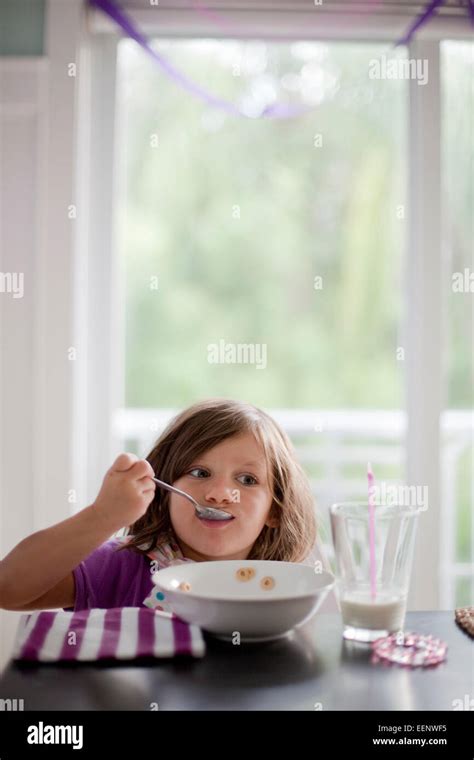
(312,669)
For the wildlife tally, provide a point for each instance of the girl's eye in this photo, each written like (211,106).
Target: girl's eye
(252,482)
(198,469)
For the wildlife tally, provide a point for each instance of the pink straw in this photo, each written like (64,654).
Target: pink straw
(373,583)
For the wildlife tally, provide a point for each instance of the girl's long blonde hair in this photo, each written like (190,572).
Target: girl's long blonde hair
(199,428)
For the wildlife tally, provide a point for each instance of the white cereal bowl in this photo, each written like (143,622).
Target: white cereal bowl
(258,599)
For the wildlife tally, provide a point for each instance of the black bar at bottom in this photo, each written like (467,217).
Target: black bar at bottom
(380,734)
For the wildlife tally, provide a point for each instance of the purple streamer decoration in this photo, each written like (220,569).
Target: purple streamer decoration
(427,14)
(470,5)
(275,111)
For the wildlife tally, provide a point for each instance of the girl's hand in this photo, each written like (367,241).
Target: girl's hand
(127,491)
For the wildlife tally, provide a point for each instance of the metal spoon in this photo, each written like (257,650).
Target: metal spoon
(208,513)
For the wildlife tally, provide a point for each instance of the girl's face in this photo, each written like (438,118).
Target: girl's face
(231,476)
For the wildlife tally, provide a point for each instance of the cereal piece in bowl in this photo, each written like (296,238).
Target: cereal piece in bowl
(267,583)
(244,574)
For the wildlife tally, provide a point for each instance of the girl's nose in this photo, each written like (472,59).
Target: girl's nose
(218,493)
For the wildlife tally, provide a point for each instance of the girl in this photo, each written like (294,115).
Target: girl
(225,454)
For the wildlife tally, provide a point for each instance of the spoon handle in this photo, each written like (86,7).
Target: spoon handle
(206,512)
(167,487)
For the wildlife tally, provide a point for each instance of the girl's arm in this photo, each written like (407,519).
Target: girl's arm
(47,557)
(37,573)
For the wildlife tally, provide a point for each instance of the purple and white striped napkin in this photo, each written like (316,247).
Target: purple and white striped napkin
(120,633)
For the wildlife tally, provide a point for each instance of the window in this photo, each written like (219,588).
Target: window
(283,233)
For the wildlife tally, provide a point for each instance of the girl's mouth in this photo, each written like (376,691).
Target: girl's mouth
(216,523)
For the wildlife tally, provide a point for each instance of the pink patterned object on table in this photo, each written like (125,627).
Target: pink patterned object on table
(120,633)
(410,649)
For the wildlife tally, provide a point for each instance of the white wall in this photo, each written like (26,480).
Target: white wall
(37,380)
(56,201)
(23,108)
